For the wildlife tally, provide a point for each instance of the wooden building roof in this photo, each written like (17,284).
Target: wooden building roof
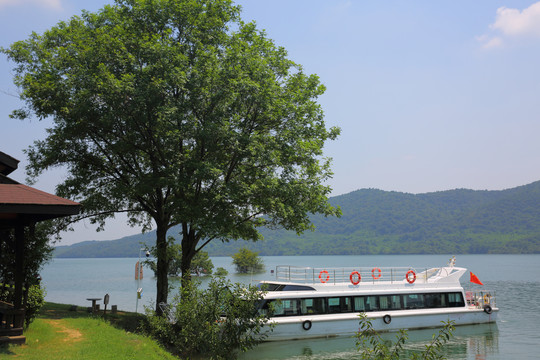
(21,203)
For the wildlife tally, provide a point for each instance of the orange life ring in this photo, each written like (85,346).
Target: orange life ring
(410,279)
(376,277)
(359,278)
(327,276)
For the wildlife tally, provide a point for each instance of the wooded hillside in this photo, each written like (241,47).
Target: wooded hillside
(380,222)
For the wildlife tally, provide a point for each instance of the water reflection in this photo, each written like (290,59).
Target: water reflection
(469,342)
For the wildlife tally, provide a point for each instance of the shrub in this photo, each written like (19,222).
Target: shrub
(372,346)
(212,323)
(36,299)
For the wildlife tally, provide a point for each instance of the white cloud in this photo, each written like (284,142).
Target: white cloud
(512,23)
(490,42)
(50,4)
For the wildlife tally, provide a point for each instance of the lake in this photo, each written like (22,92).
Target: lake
(515,278)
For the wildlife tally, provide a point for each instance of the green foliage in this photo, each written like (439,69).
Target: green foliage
(221,272)
(36,299)
(373,347)
(247,261)
(212,323)
(37,251)
(200,264)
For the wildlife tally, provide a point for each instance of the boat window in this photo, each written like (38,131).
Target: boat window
(334,305)
(282,287)
(262,307)
(359,304)
(372,303)
(290,307)
(366,303)
(455,299)
(280,307)
(413,301)
(312,306)
(390,302)
(346,304)
(297,288)
(444,300)
(435,300)
(270,287)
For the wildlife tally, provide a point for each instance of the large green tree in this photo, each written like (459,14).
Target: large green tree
(177,113)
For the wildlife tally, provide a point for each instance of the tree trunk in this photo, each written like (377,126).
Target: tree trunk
(162,266)
(189,244)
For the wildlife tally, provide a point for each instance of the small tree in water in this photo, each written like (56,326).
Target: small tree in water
(247,261)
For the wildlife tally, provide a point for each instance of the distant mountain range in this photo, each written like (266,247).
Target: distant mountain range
(381,222)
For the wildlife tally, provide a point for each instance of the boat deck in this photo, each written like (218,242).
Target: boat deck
(366,275)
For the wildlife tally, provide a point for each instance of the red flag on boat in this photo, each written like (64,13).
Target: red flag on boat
(474,279)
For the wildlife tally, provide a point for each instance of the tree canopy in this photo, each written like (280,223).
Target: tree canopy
(201,263)
(178,113)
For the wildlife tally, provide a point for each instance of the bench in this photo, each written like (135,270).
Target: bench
(95,307)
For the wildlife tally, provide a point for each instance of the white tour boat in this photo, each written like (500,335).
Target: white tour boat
(324,302)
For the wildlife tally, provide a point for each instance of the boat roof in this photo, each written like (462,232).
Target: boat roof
(362,279)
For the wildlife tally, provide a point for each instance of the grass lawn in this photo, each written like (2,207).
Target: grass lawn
(58,333)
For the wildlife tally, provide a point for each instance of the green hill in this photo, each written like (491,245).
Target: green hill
(382,222)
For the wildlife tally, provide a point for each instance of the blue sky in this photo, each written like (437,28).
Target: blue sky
(429,95)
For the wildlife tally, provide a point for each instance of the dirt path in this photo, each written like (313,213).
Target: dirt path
(71,334)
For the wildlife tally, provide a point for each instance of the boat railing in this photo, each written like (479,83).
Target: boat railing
(357,275)
(480,299)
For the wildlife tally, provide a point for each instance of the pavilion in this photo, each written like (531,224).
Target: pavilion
(21,207)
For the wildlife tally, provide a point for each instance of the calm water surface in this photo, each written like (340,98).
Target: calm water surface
(515,278)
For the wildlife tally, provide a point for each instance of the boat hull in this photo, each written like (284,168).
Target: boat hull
(305,327)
